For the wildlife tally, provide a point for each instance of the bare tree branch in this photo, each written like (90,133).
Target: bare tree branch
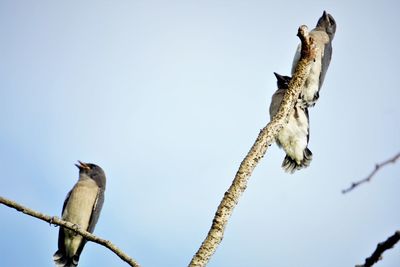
(70,226)
(256,153)
(382,247)
(369,177)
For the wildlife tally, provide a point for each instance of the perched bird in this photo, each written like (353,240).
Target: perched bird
(323,35)
(82,206)
(293,138)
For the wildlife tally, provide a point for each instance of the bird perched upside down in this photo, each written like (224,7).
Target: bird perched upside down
(82,207)
(293,137)
(322,35)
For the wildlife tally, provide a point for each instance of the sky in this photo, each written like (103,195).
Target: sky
(168,97)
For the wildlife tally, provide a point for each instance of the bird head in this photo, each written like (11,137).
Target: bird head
(328,24)
(92,171)
(282,81)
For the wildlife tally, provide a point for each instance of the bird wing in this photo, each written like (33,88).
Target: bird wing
(98,204)
(326,59)
(308,128)
(276,100)
(296,58)
(61,234)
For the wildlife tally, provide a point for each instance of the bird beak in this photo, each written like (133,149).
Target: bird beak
(326,15)
(82,166)
(279,77)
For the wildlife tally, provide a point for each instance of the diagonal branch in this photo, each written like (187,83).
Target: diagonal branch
(70,226)
(369,177)
(265,138)
(382,247)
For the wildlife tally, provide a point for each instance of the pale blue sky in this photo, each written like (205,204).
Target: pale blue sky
(168,97)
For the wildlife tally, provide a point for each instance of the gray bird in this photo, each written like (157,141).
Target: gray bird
(293,138)
(82,206)
(323,35)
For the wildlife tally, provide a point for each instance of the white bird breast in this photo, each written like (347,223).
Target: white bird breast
(293,137)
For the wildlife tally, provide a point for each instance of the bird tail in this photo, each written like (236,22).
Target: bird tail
(290,165)
(61,260)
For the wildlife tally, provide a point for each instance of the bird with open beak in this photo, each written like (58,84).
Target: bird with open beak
(82,207)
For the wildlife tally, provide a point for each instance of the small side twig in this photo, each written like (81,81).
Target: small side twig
(369,177)
(382,247)
(55,220)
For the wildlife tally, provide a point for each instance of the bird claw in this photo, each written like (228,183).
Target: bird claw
(51,222)
(76,228)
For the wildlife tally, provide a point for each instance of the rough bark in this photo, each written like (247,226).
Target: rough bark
(265,138)
(380,248)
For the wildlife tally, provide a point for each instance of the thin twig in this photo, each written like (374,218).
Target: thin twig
(70,226)
(382,247)
(256,153)
(369,177)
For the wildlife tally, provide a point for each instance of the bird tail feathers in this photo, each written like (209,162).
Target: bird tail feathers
(61,260)
(290,165)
